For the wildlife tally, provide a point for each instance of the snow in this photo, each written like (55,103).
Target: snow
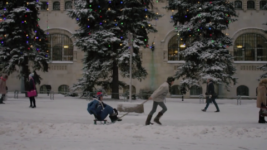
(64,123)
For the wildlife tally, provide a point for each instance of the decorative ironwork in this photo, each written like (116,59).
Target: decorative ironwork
(250,47)
(263,5)
(56,6)
(60,47)
(251,5)
(242,90)
(238,5)
(68,5)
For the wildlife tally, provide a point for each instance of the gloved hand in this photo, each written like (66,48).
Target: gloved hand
(210,96)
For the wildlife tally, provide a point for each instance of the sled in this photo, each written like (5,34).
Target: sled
(100,121)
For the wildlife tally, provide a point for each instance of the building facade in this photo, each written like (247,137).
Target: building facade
(65,67)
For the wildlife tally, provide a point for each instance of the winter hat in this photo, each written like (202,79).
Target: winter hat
(170,79)
(99,94)
(31,75)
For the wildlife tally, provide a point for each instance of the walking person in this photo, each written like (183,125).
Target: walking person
(3,88)
(31,87)
(210,96)
(261,98)
(158,97)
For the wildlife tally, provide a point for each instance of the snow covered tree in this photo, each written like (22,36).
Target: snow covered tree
(23,43)
(199,24)
(104,25)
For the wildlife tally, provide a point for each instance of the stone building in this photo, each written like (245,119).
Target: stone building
(249,49)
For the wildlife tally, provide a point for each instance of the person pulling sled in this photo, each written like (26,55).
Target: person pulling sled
(101,110)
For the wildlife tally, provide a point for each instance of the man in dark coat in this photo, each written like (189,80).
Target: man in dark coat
(211,95)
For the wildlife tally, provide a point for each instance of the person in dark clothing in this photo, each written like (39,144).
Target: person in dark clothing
(30,88)
(101,110)
(3,88)
(210,96)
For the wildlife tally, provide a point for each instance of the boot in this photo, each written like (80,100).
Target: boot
(156,119)
(114,118)
(261,118)
(148,120)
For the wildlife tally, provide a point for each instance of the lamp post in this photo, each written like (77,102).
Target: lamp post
(130,44)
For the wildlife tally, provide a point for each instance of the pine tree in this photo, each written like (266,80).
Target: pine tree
(201,23)
(23,43)
(104,25)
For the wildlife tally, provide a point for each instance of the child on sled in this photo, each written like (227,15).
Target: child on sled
(101,110)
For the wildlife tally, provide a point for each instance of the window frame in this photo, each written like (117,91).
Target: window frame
(251,1)
(66,4)
(65,57)
(54,3)
(258,42)
(262,6)
(241,4)
(196,91)
(65,87)
(242,86)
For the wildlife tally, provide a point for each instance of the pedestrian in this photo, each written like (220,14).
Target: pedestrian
(210,96)
(158,98)
(101,110)
(261,98)
(3,88)
(32,87)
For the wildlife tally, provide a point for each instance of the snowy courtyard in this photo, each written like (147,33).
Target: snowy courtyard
(64,124)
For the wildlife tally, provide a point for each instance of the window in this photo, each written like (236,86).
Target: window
(263,5)
(44,6)
(1,4)
(68,5)
(63,89)
(43,89)
(175,46)
(251,5)
(242,90)
(195,90)
(60,47)
(250,47)
(56,6)
(175,90)
(238,5)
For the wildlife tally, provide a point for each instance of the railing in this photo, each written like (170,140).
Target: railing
(16,94)
(202,98)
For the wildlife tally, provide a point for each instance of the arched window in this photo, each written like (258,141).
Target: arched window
(175,46)
(63,89)
(242,90)
(68,5)
(251,5)
(56,6)
(238,5)
(44,6)
(43,89)
(195,90)
(250,47)
(263,5)
(175,90)
(60,47)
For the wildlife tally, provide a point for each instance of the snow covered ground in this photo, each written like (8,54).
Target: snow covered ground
(64,124)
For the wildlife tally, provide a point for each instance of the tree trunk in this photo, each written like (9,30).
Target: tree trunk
(115,82)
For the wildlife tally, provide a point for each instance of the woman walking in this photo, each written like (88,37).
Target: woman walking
(31,88)
(158,97)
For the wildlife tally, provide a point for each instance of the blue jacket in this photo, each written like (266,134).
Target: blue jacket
(94,107)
